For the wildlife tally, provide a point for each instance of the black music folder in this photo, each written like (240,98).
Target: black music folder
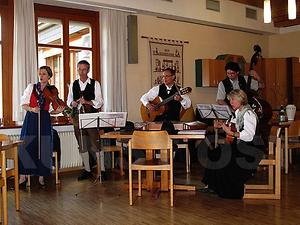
(214,111)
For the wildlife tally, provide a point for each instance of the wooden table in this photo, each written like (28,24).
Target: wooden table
(284,125)
(9,150)
(164,184)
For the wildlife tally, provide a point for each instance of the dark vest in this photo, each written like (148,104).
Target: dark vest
(173,107)
(88,93)
(228,86)
(257,139)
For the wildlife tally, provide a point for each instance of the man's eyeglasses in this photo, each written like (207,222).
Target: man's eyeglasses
(167,75)
(230,72)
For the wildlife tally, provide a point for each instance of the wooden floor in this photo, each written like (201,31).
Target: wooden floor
(86,203)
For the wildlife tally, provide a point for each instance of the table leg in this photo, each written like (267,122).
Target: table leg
(149,174)
(286,150)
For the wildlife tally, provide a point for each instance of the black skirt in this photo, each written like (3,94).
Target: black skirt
(230,166)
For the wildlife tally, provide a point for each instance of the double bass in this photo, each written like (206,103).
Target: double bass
(261,107)
(254,102)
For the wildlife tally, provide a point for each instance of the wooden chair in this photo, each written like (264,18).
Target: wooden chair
(2,184)
(12,154)
(150,141)
(4,198)
(9,151)
(272,189)
(293,143)
(112,149)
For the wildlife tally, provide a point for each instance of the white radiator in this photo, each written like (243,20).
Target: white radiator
(70,156)
(69,149)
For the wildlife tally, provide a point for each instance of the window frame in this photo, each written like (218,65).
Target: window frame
(7,25)
(66,15)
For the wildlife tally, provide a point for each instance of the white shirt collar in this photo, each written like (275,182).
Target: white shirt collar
(87,81)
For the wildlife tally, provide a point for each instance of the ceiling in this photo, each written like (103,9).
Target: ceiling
(279,10)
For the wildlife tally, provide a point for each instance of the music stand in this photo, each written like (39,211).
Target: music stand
(214,111)
(99,120)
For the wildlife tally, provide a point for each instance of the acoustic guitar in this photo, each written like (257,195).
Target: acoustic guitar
(229,138)
(160,105)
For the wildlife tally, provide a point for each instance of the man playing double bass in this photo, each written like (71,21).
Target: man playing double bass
(236,81)
(165,90)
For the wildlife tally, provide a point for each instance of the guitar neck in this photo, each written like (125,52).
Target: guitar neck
(165,101)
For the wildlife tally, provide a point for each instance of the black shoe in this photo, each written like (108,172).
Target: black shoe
(23,185)
(206,190)
(42,184)
(85,175)
(103,175)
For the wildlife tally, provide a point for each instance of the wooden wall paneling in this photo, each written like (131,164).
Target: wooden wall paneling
(296,83)
(281,76)
(270,81)
(279,11)
(296,73)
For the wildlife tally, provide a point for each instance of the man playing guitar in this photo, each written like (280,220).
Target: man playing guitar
(172,108)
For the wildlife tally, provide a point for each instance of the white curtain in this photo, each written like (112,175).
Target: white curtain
(25,61)
(113,29)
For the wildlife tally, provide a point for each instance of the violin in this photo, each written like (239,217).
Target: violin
(51,94)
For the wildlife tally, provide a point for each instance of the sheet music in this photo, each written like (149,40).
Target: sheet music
(206,111)
(222,111)
(102,119)
(213,111)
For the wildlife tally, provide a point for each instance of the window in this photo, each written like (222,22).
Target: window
(64,37)
(1,101)
(6,58)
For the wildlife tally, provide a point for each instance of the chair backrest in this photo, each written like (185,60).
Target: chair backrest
(294,129)
(150,140)
(4,137)
(274,133)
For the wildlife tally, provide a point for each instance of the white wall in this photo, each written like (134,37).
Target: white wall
(232,14)
(284,45)
(204,42)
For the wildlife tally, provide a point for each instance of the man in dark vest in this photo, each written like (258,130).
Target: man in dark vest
(236,81)
(85,97)
(165,90)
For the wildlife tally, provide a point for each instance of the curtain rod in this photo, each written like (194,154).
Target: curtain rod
(164,39)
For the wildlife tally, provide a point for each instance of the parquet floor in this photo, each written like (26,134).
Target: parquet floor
(86,203)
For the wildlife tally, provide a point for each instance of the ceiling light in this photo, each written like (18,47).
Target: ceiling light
(292,9)
(267,11)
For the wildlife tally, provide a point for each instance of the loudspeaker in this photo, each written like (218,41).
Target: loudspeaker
(132,34)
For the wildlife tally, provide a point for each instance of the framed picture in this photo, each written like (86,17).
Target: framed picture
(166,55)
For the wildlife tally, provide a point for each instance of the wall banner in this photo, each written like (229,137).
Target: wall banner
(164,55)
